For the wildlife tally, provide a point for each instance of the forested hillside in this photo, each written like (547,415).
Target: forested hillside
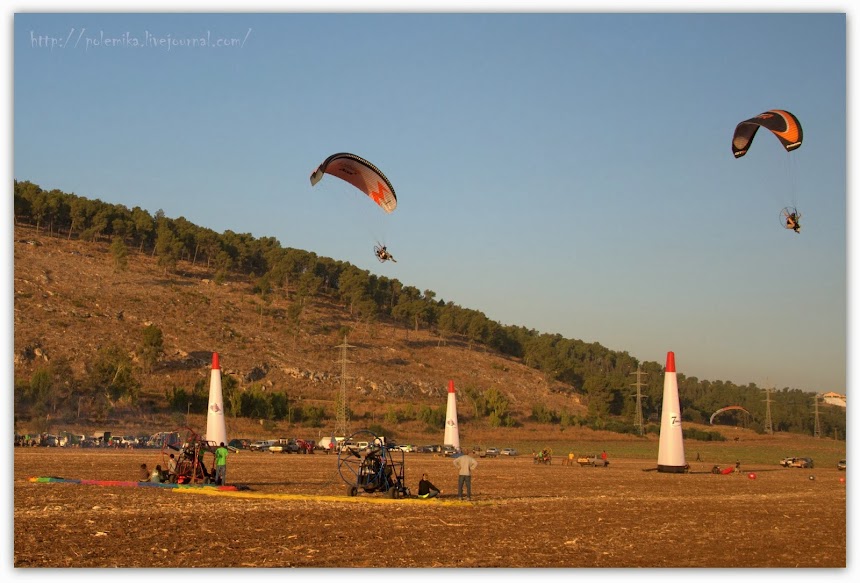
(117,311)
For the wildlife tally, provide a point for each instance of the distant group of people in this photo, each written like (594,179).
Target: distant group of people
(171,475)
(157,475)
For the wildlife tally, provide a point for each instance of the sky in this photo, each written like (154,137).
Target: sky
(570,173)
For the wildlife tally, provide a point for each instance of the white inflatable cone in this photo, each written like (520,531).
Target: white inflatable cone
(452,431)
(670,456)
(216,427)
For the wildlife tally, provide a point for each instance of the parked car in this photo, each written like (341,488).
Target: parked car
(407,448)
(262,445)
(491,452)
(240,443)
(355,446)
(800,462)
(285,445)
(787,462)
(509,451)
(804,462)
(593,460)
(448,450)
(840,465)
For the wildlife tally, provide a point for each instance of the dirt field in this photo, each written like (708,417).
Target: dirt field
(295,514)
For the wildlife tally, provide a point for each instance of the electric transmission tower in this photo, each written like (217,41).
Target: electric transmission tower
(816,432)
(640,422)
(768,420)
(342,422)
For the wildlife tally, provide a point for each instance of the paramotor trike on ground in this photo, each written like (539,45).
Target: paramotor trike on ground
(188,454)
(371,468)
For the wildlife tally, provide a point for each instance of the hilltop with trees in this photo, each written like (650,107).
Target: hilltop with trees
(117,312)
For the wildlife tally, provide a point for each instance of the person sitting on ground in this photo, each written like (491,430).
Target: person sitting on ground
(156,476)
(143,474)
(426,489)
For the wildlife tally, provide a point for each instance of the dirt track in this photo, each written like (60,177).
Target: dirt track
(523,515)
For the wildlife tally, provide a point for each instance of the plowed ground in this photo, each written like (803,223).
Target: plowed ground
(295,514)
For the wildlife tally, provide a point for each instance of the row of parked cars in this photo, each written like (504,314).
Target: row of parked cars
(282,445)
(806,462)
(450,450)
(495,452)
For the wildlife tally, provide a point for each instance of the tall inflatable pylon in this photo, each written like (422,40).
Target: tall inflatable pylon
(216,427)
(670,456)
(452,431)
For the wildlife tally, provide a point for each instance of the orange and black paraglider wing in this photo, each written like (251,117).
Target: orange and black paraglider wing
(782,124)
(361,174)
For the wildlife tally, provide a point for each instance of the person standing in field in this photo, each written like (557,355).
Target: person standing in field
(221,465)
(465,465)
(171,469)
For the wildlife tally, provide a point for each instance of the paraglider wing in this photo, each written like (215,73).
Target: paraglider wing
(729,408)
(361,174)
(781,123)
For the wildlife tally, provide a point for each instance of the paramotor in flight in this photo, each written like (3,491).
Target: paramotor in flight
(368,179)
(786,128)
(790,219)
(382,254)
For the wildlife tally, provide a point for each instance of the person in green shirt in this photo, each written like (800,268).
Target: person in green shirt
(221,465)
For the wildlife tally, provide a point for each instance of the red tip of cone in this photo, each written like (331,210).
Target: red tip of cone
(670,362)
(215,365)
(450,386)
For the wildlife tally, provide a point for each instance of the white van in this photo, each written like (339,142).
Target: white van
(355,446)
(329,444)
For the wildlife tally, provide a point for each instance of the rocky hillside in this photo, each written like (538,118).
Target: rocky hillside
(70,300)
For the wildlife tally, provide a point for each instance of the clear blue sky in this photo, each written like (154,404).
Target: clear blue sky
(569,173)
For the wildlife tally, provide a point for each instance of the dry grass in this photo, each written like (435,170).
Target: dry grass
(523,515)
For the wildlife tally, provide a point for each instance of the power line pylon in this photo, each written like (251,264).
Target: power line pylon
(640,422)
(342,422)
(768,420)
(816,432)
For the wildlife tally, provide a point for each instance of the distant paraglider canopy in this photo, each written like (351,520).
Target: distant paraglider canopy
(781,123)
(361,174)
(729,408)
